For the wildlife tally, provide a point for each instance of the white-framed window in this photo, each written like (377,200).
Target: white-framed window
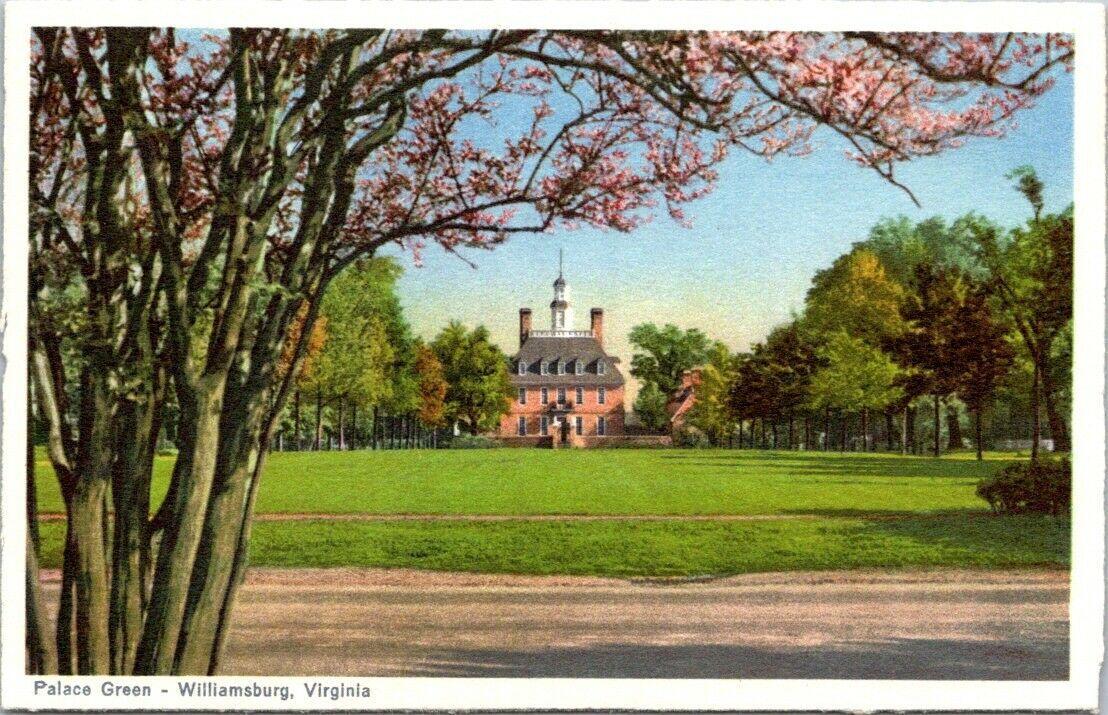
(521,428)
(544,395)
(561,395)
(579,366)
(561,366)
(579,425)
(522,367)
(601,395)
(523,395)
(544,368)
(601,368)
(544,425)
(601,426)
(579,397)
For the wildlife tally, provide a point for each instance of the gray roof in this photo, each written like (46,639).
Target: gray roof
(570,350)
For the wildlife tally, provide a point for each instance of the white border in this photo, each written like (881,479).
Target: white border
(1084,20)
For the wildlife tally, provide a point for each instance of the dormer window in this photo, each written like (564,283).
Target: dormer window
(544,368)
(579,367)
(522,367)
(601,368)
(561,366)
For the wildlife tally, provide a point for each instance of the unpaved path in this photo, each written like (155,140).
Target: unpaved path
(941,624)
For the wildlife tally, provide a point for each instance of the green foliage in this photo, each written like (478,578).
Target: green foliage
(662,355)
(476,371)
(855,296)
(712,414)
(1030,185)
(857,376)
(650,407)
(473,441)
(367,355)
(902,246)
(983,354)
(690,437)
(1041,487)
(432,387)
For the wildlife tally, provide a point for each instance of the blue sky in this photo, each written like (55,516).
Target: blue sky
(755,243)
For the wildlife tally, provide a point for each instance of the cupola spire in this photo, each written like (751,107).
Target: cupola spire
(561,314)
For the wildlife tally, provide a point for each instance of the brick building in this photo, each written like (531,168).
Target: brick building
(569,392)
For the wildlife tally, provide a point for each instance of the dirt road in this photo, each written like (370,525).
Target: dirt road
(920,625)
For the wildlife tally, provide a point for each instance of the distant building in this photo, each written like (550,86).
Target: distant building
(682,401)
(568,390)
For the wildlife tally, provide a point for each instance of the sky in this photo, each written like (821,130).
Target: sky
(746,263)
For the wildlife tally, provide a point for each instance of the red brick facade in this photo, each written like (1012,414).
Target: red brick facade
(568,391)
(533,410)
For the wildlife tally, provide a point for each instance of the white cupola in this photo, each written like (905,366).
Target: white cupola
(561,313)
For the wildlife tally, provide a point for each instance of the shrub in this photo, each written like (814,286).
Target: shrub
(1042,487)
(690,437)
(471,441)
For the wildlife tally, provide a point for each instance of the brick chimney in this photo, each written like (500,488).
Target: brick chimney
(598,325)
(524,325)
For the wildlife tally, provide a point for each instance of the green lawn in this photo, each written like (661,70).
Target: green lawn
(869,510)
(618,481)
(656,548)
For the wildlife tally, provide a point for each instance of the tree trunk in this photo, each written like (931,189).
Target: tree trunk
(40,655)
(937,426)
(977,430)
(904,431)
(296,419)
(1059,432)
(317,444)
(844,425)
(865,429)
(889,429)
(355,440)
(342,424)
(914,446)
(792,432)
(826,429)
(1036,424)
(953,428)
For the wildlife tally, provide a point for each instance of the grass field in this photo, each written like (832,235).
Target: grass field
(860,511)
(618,481)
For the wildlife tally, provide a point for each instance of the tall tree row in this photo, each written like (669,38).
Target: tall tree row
(920,324)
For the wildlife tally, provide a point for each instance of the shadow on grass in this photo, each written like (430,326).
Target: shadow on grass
(1018,658)
(978,535)
(833,463)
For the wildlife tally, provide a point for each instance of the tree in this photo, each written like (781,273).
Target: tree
(983,356)
(666,353)
(711,414)
(650,407)
(367,358)
(855,295)
(194,196)
(432,387)
(479,389)
(793,358)
(857,377)
(924,349)
(312,349)
(1031,276)
(755,391)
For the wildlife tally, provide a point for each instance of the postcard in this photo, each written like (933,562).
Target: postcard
(569,356)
